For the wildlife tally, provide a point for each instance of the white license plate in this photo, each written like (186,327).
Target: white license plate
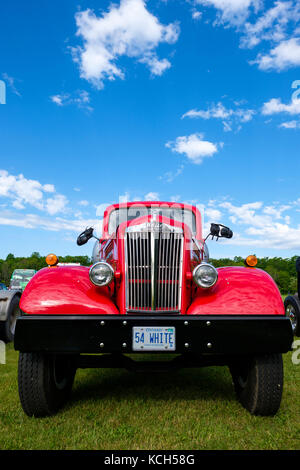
(153,338)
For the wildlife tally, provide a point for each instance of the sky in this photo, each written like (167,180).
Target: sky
(193,101)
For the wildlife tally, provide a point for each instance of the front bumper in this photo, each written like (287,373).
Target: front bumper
(113,333)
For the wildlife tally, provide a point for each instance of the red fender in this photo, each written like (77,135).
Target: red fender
(239,291)
(66,290)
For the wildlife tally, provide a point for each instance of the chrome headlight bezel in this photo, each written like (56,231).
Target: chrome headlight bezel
(197,278)
(109,278)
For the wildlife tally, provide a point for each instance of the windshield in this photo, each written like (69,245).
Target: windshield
(179,214)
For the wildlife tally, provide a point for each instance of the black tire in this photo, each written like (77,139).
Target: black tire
(7,328)
(258,383)
(45,382)
(292,310)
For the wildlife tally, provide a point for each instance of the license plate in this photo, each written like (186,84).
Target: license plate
(153,338)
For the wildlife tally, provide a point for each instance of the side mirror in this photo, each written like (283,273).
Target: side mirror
(220,231)
(226,232)
(85,236)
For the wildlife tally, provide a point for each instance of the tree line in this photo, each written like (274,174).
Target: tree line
(282,270)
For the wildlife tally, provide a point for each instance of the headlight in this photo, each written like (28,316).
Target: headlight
(205,275)
(101,274)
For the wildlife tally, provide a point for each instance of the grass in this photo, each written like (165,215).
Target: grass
(114,409)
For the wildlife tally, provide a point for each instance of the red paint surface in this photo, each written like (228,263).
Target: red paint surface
(239,291)
(66,290)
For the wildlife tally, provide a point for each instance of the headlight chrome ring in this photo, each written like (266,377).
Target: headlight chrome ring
(101,274)
(205,275)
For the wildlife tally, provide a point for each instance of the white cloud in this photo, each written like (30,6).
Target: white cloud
(23,191)
(83,203)
(284,56)
(277,25)
(80,98)
(124,197)
(290,125)
(212,214)
(196,14)
(169,176)
(56,204)
(234,12)
(11,83)
(275,106)
(272,25)
(49,188)
(33,221)
(151,196)
(219,111)
(215,111)
(128,29)
(194,147)
(261,225)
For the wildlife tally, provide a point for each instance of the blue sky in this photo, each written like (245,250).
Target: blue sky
(193,101)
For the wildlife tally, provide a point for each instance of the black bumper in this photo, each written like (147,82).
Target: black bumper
(113,333)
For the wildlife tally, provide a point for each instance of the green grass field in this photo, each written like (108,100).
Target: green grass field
(114,409)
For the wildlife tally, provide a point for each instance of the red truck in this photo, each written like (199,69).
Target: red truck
(151,290)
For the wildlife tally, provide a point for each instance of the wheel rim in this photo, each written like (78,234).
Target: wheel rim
(13,320)
(290,311)
(59,372)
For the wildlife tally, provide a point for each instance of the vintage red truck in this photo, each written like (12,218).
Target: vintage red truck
(151,290)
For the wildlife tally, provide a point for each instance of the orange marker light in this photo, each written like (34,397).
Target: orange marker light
(251,261)
(51,260)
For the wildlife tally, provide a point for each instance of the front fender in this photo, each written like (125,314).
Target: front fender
(66,290)
(239,291)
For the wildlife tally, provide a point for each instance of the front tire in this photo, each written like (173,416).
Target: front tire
(292,310)
(258,383)
(45,382)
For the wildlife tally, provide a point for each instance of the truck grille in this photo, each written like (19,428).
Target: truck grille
(153,270)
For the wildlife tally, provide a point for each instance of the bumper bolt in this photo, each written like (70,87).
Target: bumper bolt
(125,323)
(209,345)
(102,323)
(124,345)
(101,345)
(208,323)
(186,345)
(186,323)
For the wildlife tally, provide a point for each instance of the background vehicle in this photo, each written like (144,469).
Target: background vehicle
(151,290)
(292,305)
(9,302)
(20,278)
(2,286)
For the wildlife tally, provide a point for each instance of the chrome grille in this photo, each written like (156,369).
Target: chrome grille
(153,270)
